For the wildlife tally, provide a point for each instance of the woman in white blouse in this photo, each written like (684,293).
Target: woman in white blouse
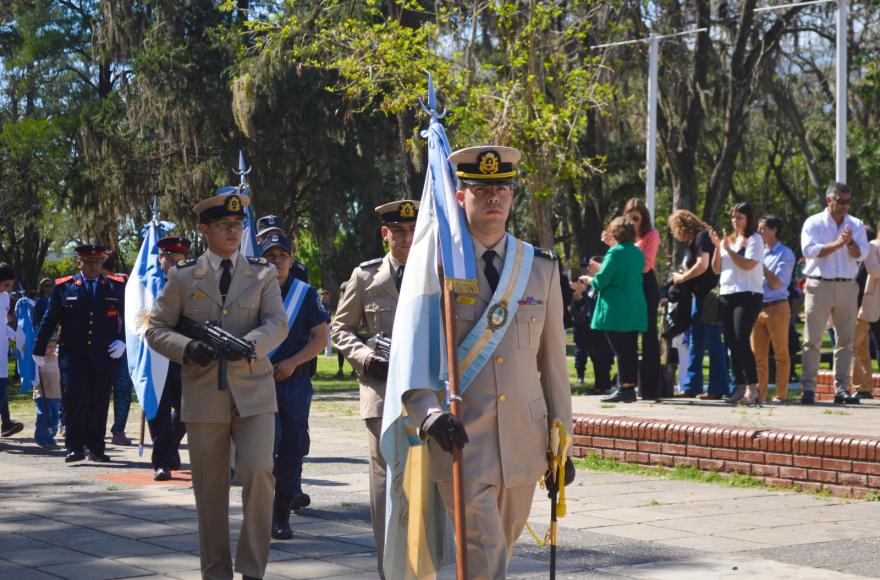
(741,288)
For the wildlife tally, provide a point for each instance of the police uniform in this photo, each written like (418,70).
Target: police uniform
(509,405)
(167,429)
(369,302)
(244,411)
(269,224)
(91,316)
(294,394)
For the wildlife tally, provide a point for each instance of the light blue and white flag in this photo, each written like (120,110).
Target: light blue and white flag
(148,369)
(249,246)
(25,337)
(418,535)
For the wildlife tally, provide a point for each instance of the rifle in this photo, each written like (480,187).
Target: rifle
(228,346)
(381,344)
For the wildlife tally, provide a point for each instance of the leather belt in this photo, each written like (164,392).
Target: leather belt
(830,279)
(772,302)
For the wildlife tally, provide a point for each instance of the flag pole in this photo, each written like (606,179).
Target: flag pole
(458,499)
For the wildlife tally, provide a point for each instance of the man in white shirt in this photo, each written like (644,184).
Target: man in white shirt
(833,242)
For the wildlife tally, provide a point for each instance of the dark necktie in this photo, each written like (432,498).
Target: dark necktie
(398,280)
(489,270)
(225,277)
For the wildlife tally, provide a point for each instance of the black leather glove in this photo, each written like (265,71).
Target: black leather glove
(550,478)
(200,352)
(376,366)
(446,430)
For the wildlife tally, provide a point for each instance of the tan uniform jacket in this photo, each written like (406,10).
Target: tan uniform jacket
(369,302)
(512,401)
(253,311)
(870,310)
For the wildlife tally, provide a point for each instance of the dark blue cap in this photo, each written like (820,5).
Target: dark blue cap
(275,241)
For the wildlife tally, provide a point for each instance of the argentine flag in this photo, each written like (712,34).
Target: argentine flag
(148,369)
(249,246)
(25,337)
(418,535)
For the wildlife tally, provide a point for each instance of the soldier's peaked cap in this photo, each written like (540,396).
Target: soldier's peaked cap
(268,223)
(174,245)
(221,205)
(92,252)
(486,164)
(405,210)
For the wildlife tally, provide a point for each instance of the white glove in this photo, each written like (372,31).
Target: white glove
(40,360)
(116,349)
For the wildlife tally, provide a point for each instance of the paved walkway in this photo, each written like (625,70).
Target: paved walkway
(111,521)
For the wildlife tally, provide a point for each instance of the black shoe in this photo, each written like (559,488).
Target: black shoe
(808,397)
(161,474)
(11,429)
(281,518)
(300,500)
(340,374)
(74,456)
(99,457)
(862,395)
(622,395)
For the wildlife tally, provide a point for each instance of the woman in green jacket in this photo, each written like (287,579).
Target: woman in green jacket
(621,310)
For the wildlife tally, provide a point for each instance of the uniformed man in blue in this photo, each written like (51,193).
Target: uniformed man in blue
(166,428)
(242,295)
(271,224)
(369,302)
(89,308)
(294,363)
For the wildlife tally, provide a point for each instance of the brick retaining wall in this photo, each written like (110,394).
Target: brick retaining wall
(845,465)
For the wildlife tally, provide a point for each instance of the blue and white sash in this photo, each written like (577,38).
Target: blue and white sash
(293,302)
(481,341)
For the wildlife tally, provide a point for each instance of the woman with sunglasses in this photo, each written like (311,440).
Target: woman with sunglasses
(738,259)
(648,241)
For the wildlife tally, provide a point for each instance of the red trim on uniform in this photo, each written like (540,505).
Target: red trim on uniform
(62,280)
(117,278)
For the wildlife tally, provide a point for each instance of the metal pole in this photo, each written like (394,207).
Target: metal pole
(841,96)
(652,126)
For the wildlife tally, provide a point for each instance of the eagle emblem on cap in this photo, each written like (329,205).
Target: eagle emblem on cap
(407,210)
(233,203)
(489,162)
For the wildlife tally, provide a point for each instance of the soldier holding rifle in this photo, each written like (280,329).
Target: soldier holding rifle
(370,301)
(241,298)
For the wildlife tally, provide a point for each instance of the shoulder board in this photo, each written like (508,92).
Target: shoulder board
(373,262)
(547,254)
(258,261)
(299,265)
(186,262)
(117,278)
(63,279)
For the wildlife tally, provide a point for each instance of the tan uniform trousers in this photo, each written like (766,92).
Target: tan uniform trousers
(771,328)
(862,376)
(377,488)
(824,298)
(209,457)
(495,519)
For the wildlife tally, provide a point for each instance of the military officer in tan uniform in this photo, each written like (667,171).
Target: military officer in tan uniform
(513,399)
(369,302)
(243,296)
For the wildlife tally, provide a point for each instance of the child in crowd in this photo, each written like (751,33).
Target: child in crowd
(47,398)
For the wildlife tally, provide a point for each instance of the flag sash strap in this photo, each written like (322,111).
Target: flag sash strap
(293,302)
(478,346)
